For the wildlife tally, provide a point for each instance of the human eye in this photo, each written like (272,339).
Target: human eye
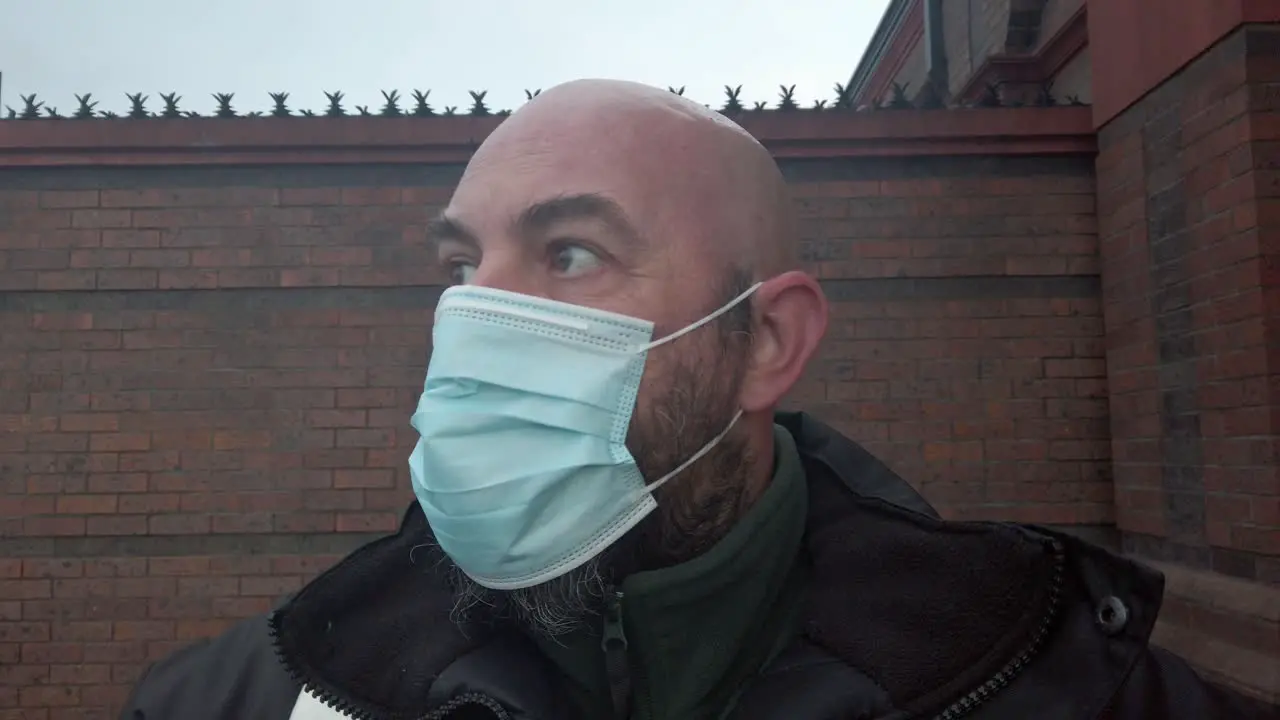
(460,271)
(572,260)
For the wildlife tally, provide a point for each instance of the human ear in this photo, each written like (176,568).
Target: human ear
(789,320)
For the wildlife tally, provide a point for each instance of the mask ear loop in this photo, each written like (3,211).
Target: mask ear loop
(715,440)
(723,309)
(695,457)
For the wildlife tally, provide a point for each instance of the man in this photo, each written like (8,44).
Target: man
(612,520)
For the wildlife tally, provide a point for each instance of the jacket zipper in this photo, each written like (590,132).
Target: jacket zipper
(618,666)
(307,682)
(617,663)
(989,689)
(463,701)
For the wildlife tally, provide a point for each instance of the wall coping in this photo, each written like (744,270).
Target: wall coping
(416,140)
(1222,657)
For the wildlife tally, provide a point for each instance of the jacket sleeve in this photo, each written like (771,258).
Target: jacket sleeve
(234,676)
(1163,686)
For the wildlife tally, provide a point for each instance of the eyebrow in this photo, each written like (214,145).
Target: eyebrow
(444,228)
(541,217)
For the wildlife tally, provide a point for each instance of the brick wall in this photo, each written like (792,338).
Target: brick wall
(1189,207)
(207,373)
(204,393)
(965,345)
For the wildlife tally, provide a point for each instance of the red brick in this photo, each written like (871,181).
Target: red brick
(187,279)
(66,280)
(49,696)
(1265,511)
(365,438)
(240,607)
(246,522)
(120,442)
(148,503)
(143,630)
(334,500)
(368,522)
(45,653)
(116,567)
(132,279)
(197,629)
(387,499)
(159,258)
(180,524)
(37,259)
(101,218)
(242,440)
(371,196)
(336,418)
(367,397)
(341,256)
(249,278)
(92,422)
(145,587)
(304,522)
(114,652)
(130,238)
(363,478)
(208,586)
(79,674)
(273,586)
(69,199)
(86,504)
(97,259)
(24,632)
(311,196)
(310,277)
(53,526)
(425,196)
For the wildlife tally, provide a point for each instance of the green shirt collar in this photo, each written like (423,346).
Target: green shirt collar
(696,630)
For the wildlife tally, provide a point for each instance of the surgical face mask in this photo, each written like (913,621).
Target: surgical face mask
(522,467)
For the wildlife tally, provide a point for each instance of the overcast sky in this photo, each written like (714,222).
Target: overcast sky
(57,48)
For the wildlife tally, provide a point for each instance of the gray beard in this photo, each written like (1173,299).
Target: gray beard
(682,527)
(552,609)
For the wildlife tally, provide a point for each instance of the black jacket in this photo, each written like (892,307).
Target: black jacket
(907,616)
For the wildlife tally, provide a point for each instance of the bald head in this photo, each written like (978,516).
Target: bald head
(700,189)
(631,199)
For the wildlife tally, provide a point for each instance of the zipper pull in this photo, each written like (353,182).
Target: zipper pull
(616,662)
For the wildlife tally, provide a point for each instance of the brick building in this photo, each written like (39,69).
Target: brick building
(214,330)
(1186,107)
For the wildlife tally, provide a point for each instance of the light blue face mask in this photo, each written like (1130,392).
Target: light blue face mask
(522,467)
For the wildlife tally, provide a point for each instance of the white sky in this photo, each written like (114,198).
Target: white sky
(57,48)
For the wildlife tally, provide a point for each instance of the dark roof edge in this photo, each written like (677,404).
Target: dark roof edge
(889,25)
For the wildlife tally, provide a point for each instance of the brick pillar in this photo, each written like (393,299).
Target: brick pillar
(1189,215)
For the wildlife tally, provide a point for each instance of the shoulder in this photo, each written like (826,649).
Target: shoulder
(233,675)
(1163,685)
(824,452)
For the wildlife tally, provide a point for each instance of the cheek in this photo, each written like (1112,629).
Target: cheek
(655,386)
(679,379)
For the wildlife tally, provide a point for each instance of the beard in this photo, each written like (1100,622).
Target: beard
(696,508)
